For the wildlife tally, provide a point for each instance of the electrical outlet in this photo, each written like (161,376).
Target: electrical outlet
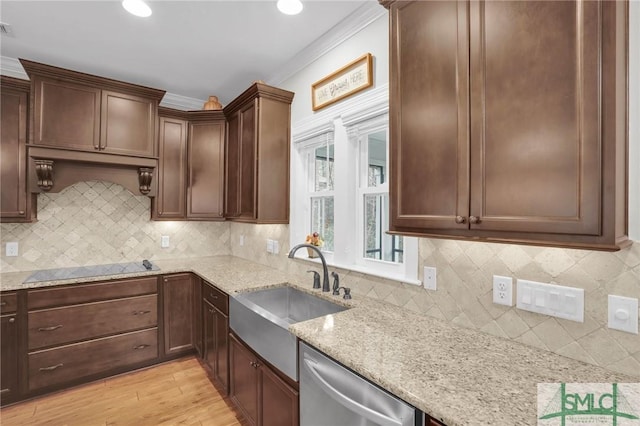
(276,247)
(429,278)
(12,249)
(241,240)
(503,290)
(269,246)
(164,241)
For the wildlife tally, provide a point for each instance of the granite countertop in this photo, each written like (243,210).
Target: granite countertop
(457,375)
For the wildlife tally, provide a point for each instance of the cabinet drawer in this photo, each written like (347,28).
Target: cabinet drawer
(74,294)
(216,297)
(8,303)
(59,365)
(80,322)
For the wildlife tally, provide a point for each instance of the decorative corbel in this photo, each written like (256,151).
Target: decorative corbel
(145,174)
(44,172)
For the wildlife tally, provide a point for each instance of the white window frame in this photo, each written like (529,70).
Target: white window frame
(347,123)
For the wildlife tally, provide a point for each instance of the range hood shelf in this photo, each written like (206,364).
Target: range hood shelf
(52,170)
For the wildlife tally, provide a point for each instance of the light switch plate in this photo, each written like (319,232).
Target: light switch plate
(623,313)
(429,278)
(241,240)
(11,249)
(551,299)
(269,246)
(164,241)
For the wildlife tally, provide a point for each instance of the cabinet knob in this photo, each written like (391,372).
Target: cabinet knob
(474,219)
(166,280)
(3,303)
(461,219)
(12,320)
(210,310)
(21,212)
(213,296)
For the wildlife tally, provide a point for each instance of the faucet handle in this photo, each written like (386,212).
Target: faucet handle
(316,279)
(336,283)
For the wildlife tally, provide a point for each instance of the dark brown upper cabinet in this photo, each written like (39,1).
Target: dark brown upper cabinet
(191,165)
(205,191)
(170,203)
(508,121)
(257,155)
(77,111)
(17,204)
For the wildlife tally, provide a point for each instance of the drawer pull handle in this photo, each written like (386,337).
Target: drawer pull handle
(213,296)
(140,312)
(53,367)
(53,327)
(3,303)
(12,320)
(143,346)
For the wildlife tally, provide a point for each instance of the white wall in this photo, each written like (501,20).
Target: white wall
(372,39)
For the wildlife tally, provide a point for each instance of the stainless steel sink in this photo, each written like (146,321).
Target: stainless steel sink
(262,318)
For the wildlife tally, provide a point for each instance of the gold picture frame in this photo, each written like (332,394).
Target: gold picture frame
(352,78)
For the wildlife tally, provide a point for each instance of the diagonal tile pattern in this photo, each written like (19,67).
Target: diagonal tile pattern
(98,223)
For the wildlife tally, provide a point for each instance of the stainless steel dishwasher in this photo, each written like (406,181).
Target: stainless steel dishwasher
(332,395)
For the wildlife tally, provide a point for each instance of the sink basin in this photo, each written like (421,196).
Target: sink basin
(261,318)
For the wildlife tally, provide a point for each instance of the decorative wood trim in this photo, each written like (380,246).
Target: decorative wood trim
(386,3)
(35,68)
(16,83)
(173,113)
(258,90)
(145,174)
(37,152)
(44,171)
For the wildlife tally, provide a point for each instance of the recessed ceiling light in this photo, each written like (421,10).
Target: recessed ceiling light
(137,7)
(290,7)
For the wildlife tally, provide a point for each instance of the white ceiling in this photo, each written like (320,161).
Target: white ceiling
(188,48)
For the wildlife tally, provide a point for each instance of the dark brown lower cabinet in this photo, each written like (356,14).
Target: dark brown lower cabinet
(258,392)
(8,357)
(67,363)
(216,344)
(178,299)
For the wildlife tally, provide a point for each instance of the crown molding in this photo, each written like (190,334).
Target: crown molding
(345,29)
(12,67)
(183,103)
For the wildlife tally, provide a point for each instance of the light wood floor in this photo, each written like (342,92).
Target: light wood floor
(176,393)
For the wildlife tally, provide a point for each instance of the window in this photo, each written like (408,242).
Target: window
(340,189)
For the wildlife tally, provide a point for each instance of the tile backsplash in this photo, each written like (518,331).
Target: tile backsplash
(464,295)
(98,222)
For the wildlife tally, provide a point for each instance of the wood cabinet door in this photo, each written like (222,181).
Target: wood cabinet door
(66,115)
(205,194)
(198,320)
(279,401)
(13,152)
(429,119)
(178,294)
(244,376)
(248,145)
(232,167)
(216,330)
(8,357)
(535,117)
(170,203)
(127,125)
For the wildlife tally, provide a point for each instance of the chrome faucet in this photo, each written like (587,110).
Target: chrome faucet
(325,278)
